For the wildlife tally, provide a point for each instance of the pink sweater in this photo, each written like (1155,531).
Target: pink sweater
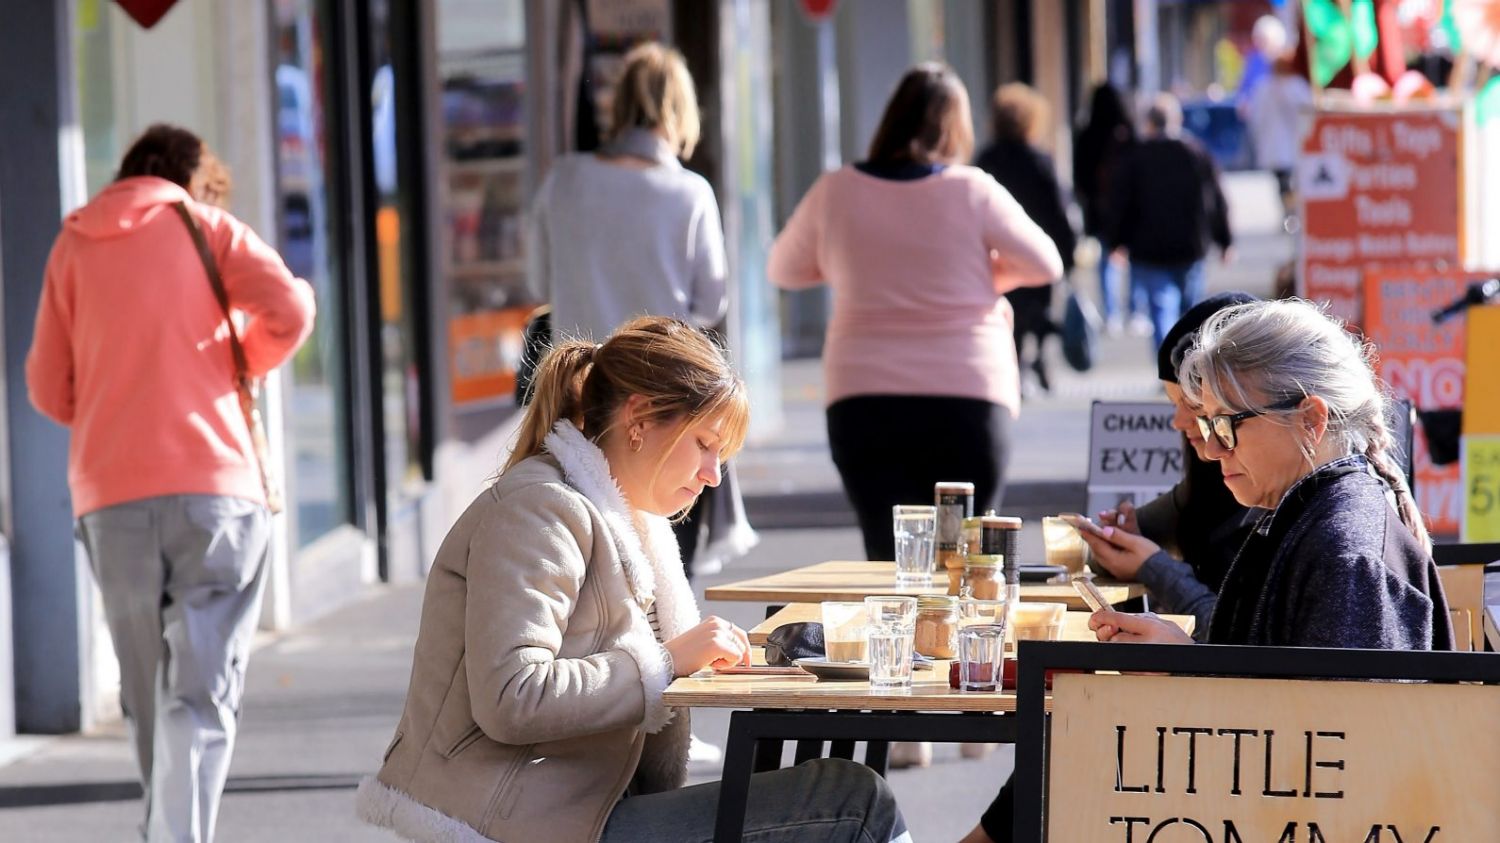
(918,271)
(131,349)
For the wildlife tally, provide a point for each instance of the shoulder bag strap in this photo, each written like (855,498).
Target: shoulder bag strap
(210,266)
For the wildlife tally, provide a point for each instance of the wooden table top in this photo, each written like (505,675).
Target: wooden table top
(858,580)
(1075,624)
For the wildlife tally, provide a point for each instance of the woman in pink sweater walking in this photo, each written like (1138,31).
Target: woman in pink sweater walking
(134,355)
(920,359)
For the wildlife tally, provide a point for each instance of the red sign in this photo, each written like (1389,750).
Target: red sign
(1423,363)
(1378,189)
(146,12)
(818,10)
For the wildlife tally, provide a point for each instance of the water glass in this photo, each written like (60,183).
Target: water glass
(891,631)
(844,631)
(971,612)
(981,653)
(915,529)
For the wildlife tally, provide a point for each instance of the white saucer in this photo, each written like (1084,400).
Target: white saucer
(835,671)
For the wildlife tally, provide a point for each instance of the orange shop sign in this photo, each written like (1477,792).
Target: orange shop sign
(484,349)
(1423,363)
(1378,189)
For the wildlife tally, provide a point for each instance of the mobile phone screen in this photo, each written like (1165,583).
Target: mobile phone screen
(1082,523)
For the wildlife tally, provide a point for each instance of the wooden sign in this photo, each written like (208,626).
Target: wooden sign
(1176,759)
(1378,188)
(1134,454)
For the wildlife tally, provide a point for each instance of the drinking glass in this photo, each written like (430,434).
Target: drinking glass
(844,632)
(892,626)
(981,653)
(1062,545)
(971,612)
(1037,621)
(915,528)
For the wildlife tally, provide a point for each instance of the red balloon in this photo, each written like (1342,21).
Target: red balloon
(146,12)
(817,10)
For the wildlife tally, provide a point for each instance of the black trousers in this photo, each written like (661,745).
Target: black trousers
(891,449)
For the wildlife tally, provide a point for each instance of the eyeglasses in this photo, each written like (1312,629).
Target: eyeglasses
(1222,427)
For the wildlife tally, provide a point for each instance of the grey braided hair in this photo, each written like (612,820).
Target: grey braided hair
(1259,355)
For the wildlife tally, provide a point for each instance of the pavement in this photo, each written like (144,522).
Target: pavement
(322,700)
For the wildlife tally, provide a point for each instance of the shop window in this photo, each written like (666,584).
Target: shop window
(317,417)
(482,64)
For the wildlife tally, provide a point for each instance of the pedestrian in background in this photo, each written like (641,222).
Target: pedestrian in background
(1097,147)
(920,360)
(1166,210)
(557,614)
(1275,108)
(627,231)
(133,353)
(1019,117)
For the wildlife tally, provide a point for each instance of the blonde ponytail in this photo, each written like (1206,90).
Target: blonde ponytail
(557,393)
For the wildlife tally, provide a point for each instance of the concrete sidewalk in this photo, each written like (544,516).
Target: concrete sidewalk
(789,480)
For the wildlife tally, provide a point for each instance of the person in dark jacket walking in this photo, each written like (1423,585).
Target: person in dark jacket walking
(1097,149)
(1166,209)
(1019,116)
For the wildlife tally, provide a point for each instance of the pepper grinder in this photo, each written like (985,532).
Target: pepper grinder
(1001,534)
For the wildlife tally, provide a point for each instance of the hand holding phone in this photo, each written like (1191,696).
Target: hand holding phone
(1082,524)
(1084,585)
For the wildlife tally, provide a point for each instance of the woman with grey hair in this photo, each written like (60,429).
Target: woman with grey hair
(1295,417)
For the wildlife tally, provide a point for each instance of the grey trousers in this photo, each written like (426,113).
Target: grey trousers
(182,578)
(829,800)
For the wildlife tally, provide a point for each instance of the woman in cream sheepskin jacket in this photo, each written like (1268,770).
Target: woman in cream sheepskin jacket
(557,613)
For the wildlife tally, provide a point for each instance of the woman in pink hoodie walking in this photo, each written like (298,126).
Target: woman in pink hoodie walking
(134,354)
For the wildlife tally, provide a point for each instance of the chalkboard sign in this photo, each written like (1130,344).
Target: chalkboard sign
(1134,454)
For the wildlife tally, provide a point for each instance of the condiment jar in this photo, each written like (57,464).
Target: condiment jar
(937,626)
(955,502)
(983,576)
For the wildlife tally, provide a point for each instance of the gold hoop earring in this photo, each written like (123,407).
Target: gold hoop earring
(636,440)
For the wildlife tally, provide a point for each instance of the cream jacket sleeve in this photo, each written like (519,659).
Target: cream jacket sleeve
(526,570)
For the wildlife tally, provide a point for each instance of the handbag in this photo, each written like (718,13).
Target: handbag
(1080,332)
(246,387)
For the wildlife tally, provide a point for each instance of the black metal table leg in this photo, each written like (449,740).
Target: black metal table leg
(734,785)
(877,756)
(768,754)
(807,750)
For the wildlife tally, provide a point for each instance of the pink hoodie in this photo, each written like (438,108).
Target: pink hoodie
(131,349)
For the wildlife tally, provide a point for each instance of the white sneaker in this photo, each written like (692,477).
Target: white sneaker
(1140,325)
(703,752)
(1114,326)
(908,754)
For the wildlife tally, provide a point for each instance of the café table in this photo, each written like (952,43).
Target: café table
(851,580)
(770,710)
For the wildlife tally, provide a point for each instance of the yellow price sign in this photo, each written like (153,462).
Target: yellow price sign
(1481,479)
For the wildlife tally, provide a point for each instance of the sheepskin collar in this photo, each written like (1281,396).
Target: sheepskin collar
(648,549)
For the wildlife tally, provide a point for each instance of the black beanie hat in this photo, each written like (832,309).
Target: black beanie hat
(1180,338)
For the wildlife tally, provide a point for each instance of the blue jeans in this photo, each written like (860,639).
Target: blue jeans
(1170,290)
(1109,287)
(828,799)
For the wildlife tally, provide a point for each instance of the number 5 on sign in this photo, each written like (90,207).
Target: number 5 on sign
(1481,473)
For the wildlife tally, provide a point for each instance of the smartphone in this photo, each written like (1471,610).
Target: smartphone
(1084,585)
(760,670)
(1082,524)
